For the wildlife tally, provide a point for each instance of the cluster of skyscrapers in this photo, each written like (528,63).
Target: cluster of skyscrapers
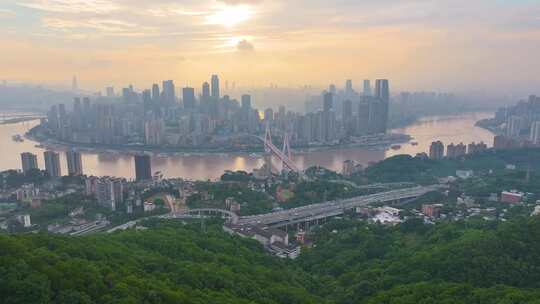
(158,117)
(520,124)
(52,163)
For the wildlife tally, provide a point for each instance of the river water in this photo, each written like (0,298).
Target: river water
(459,128)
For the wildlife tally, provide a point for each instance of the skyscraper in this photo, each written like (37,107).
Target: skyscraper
(535,133)
(348,86)
(206,90)
(215,87)
(382,90)
(188,97)
(367,87)
(74,163)
(436,150)
(143,167)
(382,104)
(155,93)
(328,101)
(52,163)
(246,102)
(29,161)
(169,95)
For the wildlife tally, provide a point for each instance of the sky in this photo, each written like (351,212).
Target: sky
(443,45)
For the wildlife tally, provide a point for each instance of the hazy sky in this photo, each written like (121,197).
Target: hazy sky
(418,44)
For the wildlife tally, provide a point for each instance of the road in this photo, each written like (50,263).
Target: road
(332,208)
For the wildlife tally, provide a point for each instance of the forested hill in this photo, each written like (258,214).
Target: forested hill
(462,262)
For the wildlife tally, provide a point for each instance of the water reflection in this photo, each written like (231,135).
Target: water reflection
(446,128)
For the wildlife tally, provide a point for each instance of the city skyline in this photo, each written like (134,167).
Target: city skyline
(443,46)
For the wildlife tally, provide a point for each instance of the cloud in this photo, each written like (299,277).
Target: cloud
(6,13)
(239,2)
(73,6)
(245,46)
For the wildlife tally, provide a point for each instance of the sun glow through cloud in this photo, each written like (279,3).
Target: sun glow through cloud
(230,15)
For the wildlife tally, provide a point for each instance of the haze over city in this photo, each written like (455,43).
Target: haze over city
(420,45)
(270,151)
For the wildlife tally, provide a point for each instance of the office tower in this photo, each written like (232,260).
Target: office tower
(436,150)
(109,91)
(169,95)
(347,117)
(246,102)
(535,133)
(143,167)
(86,105)
(348,87)
(155,93)
(382,90)
(332,89)
(74,163)
(328,102)
(188,97)
(52,163)
(362,119)
(147,97)
(206,91)
(29,161)
(367,87)
(381,105)
(215,87)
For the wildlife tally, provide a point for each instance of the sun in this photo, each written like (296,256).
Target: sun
(230,15)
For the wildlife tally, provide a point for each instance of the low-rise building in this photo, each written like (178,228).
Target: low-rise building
(511,197)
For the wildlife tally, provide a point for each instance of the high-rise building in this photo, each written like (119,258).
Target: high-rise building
(367,87)
(332,89)
(52,163)
(215,87)
(382,90)
(362,119)
(143,167)
(535,133)
(348,87)
(246,102)
(206,91)
(347,117)
(155,93)
(109,91)
(109,192)
(514,126)
(29,161)
(74,163)
(436,150)
(328,102)
(169,94)
(188,97)
(147,97)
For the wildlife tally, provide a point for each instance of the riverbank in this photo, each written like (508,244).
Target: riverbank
(379,142)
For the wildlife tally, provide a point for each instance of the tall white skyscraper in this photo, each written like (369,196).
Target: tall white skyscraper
(535,133)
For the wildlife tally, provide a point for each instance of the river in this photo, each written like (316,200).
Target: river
(458,128)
